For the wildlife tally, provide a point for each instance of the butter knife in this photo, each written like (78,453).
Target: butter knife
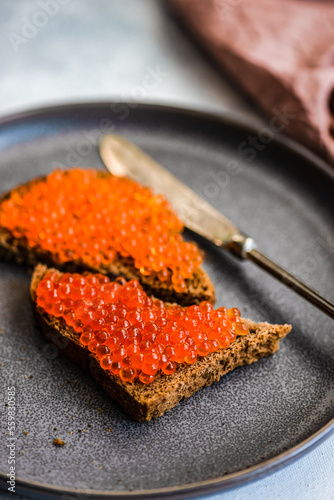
(123,158)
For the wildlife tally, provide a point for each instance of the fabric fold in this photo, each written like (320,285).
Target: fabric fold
(280,52)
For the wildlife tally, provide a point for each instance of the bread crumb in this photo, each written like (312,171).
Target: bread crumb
(21,359)
(25,378)
(2,364)
(109,429)
(100,410)
(71,433)
(2,331)
(58,442)
(72,418)
(26,433)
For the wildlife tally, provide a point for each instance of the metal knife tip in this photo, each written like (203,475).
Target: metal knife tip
(109,145)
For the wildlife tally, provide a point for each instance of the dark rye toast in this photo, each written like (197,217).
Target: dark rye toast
(198,287)
(146,401)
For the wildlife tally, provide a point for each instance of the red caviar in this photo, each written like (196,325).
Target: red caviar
(82,215)
(132,335)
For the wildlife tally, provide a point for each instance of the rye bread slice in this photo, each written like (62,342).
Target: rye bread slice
(144,402)
(199,286)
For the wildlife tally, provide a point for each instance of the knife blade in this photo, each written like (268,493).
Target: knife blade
(123,159)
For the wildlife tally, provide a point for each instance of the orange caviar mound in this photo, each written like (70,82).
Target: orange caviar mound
(82,215)
(132,335)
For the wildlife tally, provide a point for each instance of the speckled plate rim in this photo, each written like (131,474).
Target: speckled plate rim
(211,486)
(228,481)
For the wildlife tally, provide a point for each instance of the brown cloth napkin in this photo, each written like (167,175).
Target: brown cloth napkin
(281,52)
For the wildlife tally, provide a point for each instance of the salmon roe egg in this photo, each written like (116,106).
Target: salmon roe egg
(133,336)
(95,218)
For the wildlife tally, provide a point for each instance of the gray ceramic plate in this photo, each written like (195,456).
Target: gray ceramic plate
(256,418)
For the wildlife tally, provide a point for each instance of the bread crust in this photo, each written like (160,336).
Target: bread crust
(144,402)
(199,286)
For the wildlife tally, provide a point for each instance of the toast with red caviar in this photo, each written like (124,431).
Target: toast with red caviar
(146,354)
(87,220)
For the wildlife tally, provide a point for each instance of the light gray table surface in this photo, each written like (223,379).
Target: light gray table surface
(91,50)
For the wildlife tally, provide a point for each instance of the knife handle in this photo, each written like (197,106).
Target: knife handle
(291,281)
(245,248)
